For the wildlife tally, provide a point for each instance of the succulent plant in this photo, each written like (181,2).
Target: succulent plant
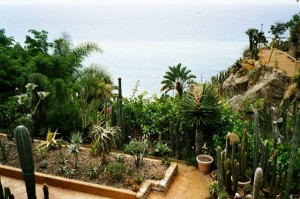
(24,148)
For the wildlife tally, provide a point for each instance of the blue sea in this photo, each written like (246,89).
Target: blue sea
(140,42)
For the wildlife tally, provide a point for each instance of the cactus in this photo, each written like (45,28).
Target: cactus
(24,148)
(7,193)
(256,138)
(1,190)
(228,184)
(294,148)
(46,191)
(272,184)
(243,156)
(283,176)
(220,169)
(264,161)
(258,178)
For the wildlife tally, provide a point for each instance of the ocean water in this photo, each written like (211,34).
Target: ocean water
(140,42)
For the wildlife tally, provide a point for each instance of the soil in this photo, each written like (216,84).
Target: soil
(130,179)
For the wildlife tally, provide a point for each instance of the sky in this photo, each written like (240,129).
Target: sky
(145,2)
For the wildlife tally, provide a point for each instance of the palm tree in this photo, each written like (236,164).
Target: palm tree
(96,86)
(177,78)
(200,107)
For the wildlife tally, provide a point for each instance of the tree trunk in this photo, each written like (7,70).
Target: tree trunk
(199,139)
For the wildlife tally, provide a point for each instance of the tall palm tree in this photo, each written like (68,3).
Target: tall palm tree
(177,78)
(200,107)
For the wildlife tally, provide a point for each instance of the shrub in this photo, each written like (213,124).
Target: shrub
(92,171)
(116,171)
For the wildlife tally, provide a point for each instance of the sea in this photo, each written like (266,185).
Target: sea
(140,42)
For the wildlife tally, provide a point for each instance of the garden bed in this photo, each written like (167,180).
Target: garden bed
(152,175)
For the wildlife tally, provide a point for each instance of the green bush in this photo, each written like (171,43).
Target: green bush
(116,171)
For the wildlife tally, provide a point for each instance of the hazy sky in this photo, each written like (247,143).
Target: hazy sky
(146,2)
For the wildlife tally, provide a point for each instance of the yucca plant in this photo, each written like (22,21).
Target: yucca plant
(104,138)
(200,107)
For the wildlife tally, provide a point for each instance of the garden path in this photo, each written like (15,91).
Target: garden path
(188,184)
(17,188)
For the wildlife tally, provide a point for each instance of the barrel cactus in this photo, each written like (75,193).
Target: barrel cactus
(24,148)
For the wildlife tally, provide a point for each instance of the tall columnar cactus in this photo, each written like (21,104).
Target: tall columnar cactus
(273,178)
(243,157)
(5,194)
(295,145)
(120,106)
(220,169)
(24,148)
(46,191)
(264,160)
(256,138)
(257,185)
(283,178)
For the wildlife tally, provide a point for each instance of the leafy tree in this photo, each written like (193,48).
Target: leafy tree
(277,30)
(177,78)
(38,43)
(200,107)
(295,40)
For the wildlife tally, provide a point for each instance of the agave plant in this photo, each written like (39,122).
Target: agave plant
(51,141)
(104,138)
(200,107)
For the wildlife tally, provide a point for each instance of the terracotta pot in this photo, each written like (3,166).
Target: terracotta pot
(204,163)
(214,175)
(242,184)
(240,192)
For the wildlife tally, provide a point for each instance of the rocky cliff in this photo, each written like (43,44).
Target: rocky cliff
(255,81)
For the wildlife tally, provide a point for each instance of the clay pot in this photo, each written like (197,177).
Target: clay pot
(204,163)
(242,184)
(214,175)
(240,194)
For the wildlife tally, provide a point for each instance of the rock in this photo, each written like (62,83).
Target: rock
(266,83)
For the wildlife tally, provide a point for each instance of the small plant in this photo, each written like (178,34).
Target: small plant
(162,149)
(76,138)
(41,151)
(63,160)
(137,148)
(92,171)
(116,171)
(51,141)
(166,161)
(248,189)
(213,188)
(119,157)
(74,150)
(138,180)
(222,195)
(70,173)
(61,169)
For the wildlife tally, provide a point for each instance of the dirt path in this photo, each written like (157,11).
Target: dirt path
(188,184)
